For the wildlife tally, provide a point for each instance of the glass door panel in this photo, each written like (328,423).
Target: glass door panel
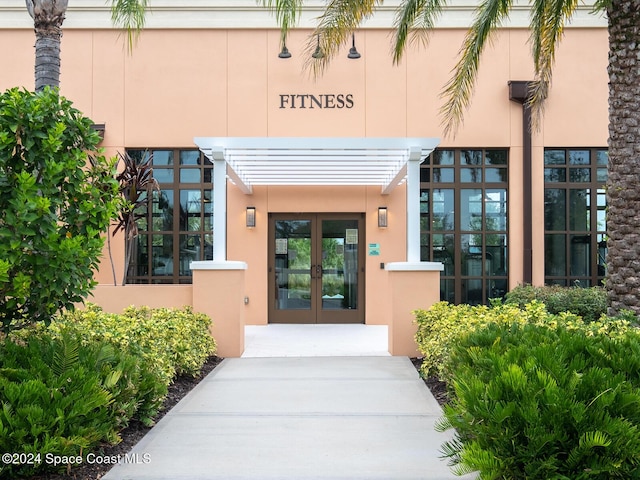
(339,264)
(315,268)
(292,268)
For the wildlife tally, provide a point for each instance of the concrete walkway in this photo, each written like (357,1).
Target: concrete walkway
(297,418)
(304,402)
(319,340)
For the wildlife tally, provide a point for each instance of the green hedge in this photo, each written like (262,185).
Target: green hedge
(60,397)
(70,387)
(441,326)
(175,341)
(544,402)
(588,303)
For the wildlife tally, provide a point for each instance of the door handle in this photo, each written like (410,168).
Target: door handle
(316,271)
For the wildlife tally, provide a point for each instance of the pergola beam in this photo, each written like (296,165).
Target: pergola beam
(315,161)
(249,161)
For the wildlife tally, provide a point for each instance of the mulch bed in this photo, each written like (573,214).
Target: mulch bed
(178,389)
(438,388)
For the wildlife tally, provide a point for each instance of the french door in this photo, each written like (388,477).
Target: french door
(316,268)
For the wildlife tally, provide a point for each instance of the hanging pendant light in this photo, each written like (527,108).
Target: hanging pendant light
(284,53)
(353,53)
(318,53)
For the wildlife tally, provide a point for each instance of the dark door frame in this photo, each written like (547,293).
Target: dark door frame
(316,313)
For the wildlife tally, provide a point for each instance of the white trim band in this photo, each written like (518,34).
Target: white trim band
(218,265)
(249,14)
(414,267)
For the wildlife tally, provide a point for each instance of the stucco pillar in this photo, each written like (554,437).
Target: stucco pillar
(218,291)
(412,286)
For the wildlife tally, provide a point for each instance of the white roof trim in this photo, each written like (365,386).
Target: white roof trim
(316,161)
(249,14)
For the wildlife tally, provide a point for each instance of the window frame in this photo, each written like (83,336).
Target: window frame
(185,243)
(569,178)
(444,243)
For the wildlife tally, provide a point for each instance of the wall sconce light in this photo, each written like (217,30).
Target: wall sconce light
(251,217)
(318,53)
(100,128)
(353,53)
(383,220)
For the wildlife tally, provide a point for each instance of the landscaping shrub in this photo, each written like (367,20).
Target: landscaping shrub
(544,402)
(58,196)
(60,397)
(440,327)
(173,341)
(588,303)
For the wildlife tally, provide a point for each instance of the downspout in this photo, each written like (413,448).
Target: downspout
(519,92)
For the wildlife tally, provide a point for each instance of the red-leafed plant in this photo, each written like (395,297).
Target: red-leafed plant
(136,184)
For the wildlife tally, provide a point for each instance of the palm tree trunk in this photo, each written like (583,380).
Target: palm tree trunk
(48,16)
(623,194)
(47,60)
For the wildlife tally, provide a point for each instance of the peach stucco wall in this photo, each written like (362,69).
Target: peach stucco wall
(179,84)
(114,299)
(250,244)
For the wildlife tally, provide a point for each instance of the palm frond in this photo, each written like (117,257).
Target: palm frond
(287,14)
(459,89)
(130,15)
(414,20)
(66,355)
(339,20)
(548,18)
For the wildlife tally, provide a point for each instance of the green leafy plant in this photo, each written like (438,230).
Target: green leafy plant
(441,327)
(62,397)
(57,196)
(541,402)
(588,303)
(171,341)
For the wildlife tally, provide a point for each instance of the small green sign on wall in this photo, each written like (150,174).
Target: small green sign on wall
(374,249)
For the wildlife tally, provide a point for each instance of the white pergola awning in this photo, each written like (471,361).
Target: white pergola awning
(250,161)
(316,161)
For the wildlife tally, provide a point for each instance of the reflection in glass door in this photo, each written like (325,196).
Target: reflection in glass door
(291,273)
(316,268)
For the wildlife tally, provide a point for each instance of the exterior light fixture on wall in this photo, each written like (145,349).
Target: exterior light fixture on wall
(100,128)
(353,53)
(251,217)
(318,53)
(383,220)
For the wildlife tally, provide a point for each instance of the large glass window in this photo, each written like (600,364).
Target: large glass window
(463,208)
(574,216)
(178,226)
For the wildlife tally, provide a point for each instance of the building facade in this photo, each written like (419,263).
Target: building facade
(337,199)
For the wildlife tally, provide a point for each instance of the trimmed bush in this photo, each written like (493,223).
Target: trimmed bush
(544,402)
(174,341)
(441,326)
(61,397)
(588,303)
